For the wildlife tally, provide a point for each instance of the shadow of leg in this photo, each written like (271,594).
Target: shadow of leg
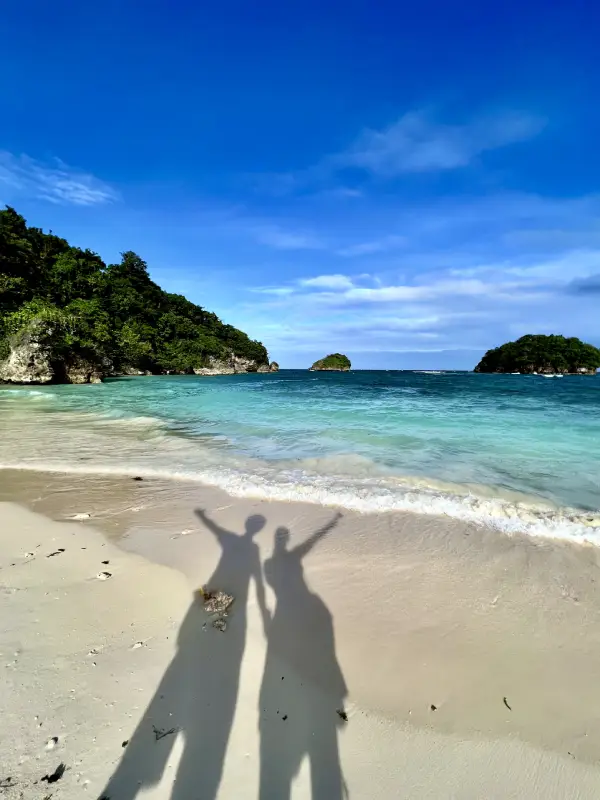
(325,768)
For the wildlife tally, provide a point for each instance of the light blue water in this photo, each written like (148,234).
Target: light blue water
(519,452)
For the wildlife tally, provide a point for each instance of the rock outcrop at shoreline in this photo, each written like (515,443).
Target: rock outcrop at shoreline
(335,362)
(33,359)
(234,365)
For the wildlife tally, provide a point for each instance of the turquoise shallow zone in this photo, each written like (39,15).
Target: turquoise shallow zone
(519,452)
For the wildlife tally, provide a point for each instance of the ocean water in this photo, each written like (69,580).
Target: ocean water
(518,453)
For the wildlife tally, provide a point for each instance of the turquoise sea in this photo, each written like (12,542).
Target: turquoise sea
(516,452)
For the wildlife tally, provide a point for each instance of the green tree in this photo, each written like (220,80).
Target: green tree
(114,312)
(541,354)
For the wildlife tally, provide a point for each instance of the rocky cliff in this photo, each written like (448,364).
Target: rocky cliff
(234,365)
(35,359)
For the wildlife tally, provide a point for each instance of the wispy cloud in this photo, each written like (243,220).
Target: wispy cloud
(327,282)
(275,291)
(382,245)
(55,182)
(434,309)
(416,143)
(342,290)
(281,239)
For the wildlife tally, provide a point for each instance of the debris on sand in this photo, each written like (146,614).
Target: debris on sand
(56,775)
(104,576)
(51,743)
(56,552)
(138,478)
(505,701)
(432,707)
(80,516)
(216,602)
(160,733)
(342,714)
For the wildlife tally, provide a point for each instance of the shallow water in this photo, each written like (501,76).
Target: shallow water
(515,452)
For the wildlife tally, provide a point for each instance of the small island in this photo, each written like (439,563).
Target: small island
(335,362)
(542,355)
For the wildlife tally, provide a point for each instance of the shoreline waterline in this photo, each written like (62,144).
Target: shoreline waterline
(503,516)
(511,455)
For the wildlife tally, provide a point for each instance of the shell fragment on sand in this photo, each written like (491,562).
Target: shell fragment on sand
(216,602)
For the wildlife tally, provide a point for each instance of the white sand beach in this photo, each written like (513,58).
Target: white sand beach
(465,661)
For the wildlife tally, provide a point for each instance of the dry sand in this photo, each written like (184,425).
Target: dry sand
(382,616)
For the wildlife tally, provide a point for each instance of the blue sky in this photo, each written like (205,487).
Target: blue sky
(410,184)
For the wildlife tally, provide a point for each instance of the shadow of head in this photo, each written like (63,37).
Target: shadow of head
(281,539)
(254,524)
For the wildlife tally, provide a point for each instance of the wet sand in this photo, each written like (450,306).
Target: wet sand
(465,661)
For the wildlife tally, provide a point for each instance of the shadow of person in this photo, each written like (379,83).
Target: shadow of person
(197,695)
(302,686)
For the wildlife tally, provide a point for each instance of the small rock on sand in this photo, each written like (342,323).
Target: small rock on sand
(103,576)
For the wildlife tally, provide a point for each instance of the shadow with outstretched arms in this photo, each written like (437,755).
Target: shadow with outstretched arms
(303,689)
(197,695)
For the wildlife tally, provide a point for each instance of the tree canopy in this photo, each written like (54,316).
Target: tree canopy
(555,354)
(334,361)
(105,312)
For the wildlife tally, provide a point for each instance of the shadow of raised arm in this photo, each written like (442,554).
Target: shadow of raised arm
(261,597)
(212,526)
(305,547)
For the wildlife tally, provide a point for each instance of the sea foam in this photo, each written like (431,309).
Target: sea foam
(367,497)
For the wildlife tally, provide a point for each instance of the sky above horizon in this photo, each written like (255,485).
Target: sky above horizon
(409,184)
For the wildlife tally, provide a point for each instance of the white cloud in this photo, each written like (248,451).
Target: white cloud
(417,144)
(327,282)
(433,289)
(277,291)
(57,182)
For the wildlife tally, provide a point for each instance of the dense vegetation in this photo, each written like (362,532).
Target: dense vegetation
(108,314)
(335,361)
(541,354)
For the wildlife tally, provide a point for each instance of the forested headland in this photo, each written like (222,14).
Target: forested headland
(113,316)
